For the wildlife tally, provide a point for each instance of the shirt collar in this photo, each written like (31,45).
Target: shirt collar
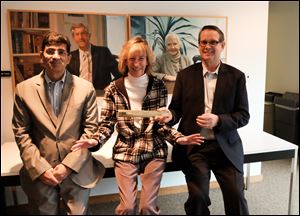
(206,71)
(81,52)
(48,80)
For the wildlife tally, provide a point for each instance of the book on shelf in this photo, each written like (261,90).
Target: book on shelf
(20,19)
(27,70)
(27,42)
(29,20)
(17,41)
(28,29)
(43,20)
(26,21)
(37,42)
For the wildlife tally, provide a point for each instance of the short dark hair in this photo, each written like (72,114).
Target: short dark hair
(54,38)
(215,28)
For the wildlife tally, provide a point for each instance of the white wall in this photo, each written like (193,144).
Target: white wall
(247,42)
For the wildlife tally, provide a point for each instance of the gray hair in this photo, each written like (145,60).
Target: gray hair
(174,35)
(78,25)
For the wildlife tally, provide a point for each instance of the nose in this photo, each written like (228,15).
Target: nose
(136,62)
(56,55)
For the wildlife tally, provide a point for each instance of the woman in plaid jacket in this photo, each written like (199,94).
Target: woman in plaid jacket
(140,147)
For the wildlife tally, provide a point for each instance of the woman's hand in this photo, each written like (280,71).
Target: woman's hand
(169,78)
(194,139)
(87,143)
(165,117)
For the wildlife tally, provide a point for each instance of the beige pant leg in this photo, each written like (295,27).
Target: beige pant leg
(127,177)
(151,178)
(75,198)
(42,199)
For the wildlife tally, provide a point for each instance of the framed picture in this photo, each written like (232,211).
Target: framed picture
(28,27)
(155,29)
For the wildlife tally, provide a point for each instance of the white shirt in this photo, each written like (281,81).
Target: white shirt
(136,88)
(210,81)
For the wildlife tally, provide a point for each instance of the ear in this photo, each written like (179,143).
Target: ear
(223,44)
(42,58)
(69,57)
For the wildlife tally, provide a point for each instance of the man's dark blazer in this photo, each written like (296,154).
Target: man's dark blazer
(230,104)
(104,64)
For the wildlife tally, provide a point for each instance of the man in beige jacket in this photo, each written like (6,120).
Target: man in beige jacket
(51,111)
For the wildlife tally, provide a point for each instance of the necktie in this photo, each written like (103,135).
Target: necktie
(86,71)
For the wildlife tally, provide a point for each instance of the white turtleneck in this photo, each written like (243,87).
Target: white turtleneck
(136,88)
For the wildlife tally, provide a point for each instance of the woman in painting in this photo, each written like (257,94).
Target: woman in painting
(171,62)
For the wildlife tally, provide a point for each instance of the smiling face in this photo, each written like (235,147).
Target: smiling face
(137,60)
(55,59)
(210,47)
(172,45)
(81,37)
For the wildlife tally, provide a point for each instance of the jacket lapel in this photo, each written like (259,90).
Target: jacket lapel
(220,85)
(41,89)
(199,89)
(76,62)
(65,98)
(95,58)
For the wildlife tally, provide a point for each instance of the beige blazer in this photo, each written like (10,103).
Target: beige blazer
(45,139)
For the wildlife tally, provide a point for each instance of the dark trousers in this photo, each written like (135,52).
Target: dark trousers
(200,161)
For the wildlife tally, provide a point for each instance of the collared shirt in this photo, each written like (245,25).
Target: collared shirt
(54,90)
(210,80)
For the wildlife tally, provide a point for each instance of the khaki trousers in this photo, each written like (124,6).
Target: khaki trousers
(45,200)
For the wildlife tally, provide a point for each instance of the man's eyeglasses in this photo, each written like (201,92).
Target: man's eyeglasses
(211,43)
(60,52)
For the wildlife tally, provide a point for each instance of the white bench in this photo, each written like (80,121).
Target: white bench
(258,146)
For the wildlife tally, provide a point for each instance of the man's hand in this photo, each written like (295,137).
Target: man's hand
(48,178)
(61,172)
(87,143)
(207,120)
(165,118)
(194,139)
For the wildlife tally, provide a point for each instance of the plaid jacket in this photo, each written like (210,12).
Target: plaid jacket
(134,144)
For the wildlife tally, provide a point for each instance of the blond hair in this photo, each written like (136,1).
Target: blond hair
(125,50)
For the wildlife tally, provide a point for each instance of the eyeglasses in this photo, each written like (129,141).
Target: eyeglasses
(211,43)
(60,52)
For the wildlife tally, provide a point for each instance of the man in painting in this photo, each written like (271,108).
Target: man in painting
(93,63)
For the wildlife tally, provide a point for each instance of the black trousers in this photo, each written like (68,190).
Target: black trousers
(197,166)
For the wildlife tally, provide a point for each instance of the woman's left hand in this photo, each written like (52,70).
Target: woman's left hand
(194,139)
(87,143)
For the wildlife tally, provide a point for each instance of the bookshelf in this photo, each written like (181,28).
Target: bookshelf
(26,34)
